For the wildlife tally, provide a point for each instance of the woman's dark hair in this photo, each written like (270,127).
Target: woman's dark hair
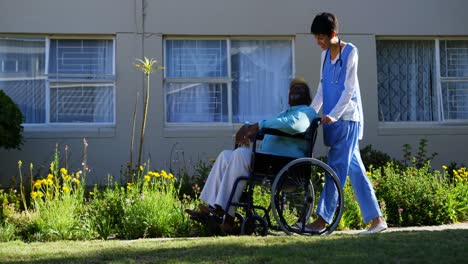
(324,23)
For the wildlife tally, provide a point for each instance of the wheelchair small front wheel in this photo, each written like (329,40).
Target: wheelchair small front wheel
(254,224)
(296,192)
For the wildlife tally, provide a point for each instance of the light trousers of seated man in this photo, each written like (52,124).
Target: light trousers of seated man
(229,165)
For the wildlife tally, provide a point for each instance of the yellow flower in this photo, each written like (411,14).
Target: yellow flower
(147,178)
(65,189)
(171,176)
(444,167)
(63,171)
(91,193)
(129,186)
(368,173)
(76,181)
(156,174)
(141,168)
(49,181)
(163,173)
(50,176)
(37,184)
(40,194)
(33,195)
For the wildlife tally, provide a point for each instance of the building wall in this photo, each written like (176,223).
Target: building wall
(360,22)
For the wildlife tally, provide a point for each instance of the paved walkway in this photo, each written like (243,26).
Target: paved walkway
(413,228)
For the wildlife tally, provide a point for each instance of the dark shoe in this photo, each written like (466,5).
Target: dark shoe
(309,229)
(216,211)
(205,209)
(228,224)
(197,215)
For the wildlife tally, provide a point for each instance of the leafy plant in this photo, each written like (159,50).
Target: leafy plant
(7,232)
(421,158)
(351,218)
(152,207)
(147,66)
(414,196)
(10,123)
(375,158)
(58,200)
(106,210)
(192,184)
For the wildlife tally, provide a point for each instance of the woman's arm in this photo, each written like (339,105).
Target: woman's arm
(351,84)
(318,99)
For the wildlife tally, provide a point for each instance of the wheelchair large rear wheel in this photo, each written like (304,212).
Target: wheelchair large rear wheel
(296,193)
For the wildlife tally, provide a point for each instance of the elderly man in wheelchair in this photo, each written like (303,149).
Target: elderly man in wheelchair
(283,160)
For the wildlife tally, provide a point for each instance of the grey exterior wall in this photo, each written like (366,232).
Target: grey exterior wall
(137,35)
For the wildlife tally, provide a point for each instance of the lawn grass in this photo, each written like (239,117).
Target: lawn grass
(448,246)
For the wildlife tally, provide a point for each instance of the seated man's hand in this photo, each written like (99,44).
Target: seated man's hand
(246,134)
(251,131)
(241,139)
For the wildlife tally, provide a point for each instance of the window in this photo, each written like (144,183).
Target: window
(57,81)
(226,80)
(422,80)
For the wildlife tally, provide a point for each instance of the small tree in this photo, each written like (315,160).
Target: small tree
(10,123)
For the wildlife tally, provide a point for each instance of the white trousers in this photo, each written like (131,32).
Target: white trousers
(229,165)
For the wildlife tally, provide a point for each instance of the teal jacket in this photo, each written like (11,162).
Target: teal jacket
(292,121)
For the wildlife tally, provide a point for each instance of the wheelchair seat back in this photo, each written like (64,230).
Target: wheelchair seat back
(268,165)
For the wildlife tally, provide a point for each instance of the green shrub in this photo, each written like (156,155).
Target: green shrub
(106,210)
(153,208)
(23,221)
(457,203)
(373,158)
(10,123)
(191,185)
(421,158)
(413,196)
(351,218)
(7,232)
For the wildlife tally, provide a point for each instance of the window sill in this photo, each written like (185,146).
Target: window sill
(200,131)
(69,131)
(389,129)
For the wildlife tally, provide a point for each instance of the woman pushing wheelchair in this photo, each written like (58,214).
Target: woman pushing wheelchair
(339,94)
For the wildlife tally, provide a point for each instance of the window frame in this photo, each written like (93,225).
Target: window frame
(227,80)
(439,80)
(39,127)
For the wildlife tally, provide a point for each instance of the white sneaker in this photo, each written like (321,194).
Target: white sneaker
(376,229)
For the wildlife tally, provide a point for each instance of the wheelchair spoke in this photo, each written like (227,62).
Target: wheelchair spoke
(296,192)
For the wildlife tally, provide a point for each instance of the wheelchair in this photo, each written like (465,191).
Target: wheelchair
(295,186)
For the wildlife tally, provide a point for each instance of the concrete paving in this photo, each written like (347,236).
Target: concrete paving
(412,229)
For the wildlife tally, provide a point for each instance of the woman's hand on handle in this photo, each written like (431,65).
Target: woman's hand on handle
(326,120)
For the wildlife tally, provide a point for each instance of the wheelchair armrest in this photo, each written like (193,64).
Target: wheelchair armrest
(270,131)
(310,134)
